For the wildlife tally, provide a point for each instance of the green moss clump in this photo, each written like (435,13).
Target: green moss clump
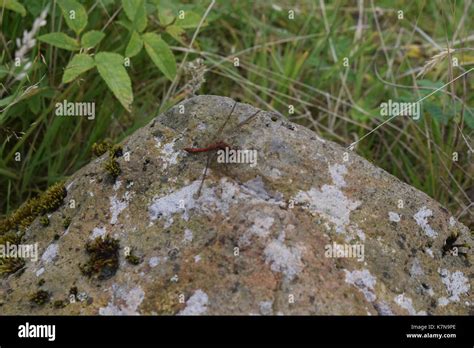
(99,149)
(10,265)
(44,221)
(40,297)
(59,304)
(133,259)
(10,237)
(47,202)
(66,222)
(112,167)
(73,291)
(104,258)
(116,151)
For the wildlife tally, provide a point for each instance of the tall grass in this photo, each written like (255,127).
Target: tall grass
(282,62)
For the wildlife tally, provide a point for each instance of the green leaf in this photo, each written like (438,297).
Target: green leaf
(34,104)
(435,111)
(177,33)
(125,23)
(3,71)
(160,53)
(134,46)
(60,40)
(165,16)
(111,69)
(79,64)
(189,20)
(469,120)
(14,6)
(91,38)
(135,11)
(74,13)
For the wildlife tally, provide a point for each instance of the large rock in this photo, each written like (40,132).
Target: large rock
(256,239)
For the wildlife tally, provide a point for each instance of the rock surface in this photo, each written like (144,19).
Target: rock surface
(256,240)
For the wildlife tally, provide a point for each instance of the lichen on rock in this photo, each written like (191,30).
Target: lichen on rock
(252,242)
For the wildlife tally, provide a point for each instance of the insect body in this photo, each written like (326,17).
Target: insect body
(216,145)
(220,145)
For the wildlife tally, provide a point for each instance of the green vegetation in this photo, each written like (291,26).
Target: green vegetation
(103,258)
(136,58)
(48,201)
(132,258)
(40,297)
(44,221)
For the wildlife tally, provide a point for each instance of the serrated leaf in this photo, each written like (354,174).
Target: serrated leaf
(14,6)
(160,53)
(111,69)
(189,20)
(79,64)
(91,38)
(136,12)
(134,46)
(74,13)
(60,40)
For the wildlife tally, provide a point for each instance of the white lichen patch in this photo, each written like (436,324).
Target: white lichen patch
(196,304)
(40,271)
(407,304)
(364,281)
(154,261)
(421,218)
(169,155)
(284,259)
(124,301)
(180,201)
(266,307)
(330,202)
(261,225)
(452,221)
(456,285)
(118,205)
(393,217)
(429,252)
(50,253)
(97,232)
(117,185)
(416,269)
(337,172)
(218,198)
(188,236)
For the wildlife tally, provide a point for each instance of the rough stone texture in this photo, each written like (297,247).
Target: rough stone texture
(281,213)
